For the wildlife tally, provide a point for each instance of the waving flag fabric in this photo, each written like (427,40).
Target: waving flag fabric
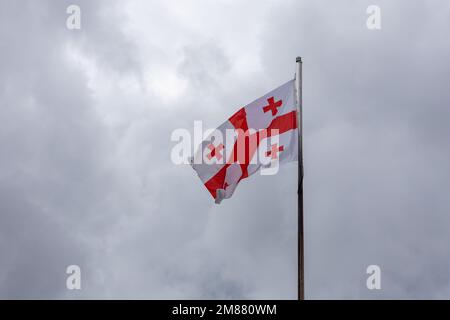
(259,136)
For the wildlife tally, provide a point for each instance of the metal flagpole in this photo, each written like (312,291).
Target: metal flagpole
(301,274)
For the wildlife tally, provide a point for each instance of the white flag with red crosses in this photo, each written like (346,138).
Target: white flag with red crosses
(259,136)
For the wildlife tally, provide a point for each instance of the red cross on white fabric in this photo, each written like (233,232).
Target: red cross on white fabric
(215,151)
(273,105)
(273,153)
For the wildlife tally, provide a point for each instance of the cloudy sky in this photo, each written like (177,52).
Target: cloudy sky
(85,171)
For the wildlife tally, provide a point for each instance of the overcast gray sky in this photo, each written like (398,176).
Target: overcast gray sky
(85,171)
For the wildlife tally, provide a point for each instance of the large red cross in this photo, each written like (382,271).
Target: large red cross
(215,151)
(282,124)
(274,152)
(273,105)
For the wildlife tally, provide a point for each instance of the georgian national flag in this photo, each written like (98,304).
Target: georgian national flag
(261,133)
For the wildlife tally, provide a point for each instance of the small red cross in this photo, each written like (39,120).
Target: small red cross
(215,151)
(274,152)
(273,105)
(225,185)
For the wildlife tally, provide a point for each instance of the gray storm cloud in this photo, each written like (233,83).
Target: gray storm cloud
(85,172)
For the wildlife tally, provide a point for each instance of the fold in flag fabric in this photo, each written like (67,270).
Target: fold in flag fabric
(259,136)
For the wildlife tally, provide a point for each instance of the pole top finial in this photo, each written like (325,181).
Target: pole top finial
(298,59)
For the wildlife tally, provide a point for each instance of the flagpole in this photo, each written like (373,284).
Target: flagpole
(301,273)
